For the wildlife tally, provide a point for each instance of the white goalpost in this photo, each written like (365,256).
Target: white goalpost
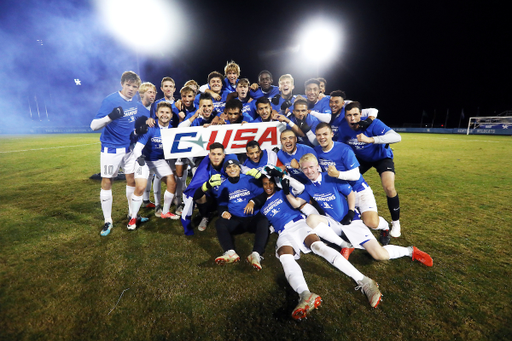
(489,122)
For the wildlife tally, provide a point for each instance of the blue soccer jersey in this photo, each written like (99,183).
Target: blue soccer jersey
(321,107)
(218,105)
(239,194)
(116,134)
(279,211)
(311,121)
(343,158)
(286,160)
(368,152)
(264,160)
(274,90)
(277,107)
(175,120)
(330,194)
(152,141)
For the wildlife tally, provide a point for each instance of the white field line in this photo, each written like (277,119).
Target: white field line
(29,150)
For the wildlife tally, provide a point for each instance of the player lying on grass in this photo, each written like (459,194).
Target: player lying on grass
(295,236)
(234,218)
(330,194)
(150,156)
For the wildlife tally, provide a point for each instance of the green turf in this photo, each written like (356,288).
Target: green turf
(59,280)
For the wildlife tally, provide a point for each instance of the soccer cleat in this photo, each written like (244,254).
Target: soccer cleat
(106,229)
(227,258)
(371,289)
(158,211)
(132,225)
(395,229)
(254,259)
(421,256)
(305,306)
(170,215)
(346,251)
(384,237)
(179,209)
(203,224)
(148,204)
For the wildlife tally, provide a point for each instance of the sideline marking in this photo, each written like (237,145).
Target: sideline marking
(28,150)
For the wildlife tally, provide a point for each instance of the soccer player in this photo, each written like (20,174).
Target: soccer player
(290,154)
(329,193)
(307,123)
(339,161)
(193,85)
(231,75)
(258,158)
(337,103)
(215,83)
(264,88)
(234,112)
(205,198)
(203,116)
(318,107)
(147,93)
(322,85)
(242,93)
(285,98)
(168,86)
(371,146)
(117,115)
(151,145)
(234,219)
(295,236)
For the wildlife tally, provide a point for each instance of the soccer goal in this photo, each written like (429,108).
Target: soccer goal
(489,122)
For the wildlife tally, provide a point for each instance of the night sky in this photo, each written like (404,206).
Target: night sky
(401,57)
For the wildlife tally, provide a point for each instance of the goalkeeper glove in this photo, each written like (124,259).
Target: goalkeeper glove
(254,173)
(141,160)
(215,180)
(303,126)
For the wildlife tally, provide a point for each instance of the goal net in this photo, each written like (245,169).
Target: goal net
(489,122)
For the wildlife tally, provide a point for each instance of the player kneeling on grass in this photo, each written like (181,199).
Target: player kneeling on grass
(295,236)
(235,218)
(326,190)
(149,146)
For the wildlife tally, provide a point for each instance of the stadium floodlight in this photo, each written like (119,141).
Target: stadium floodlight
(320,41)
(145,26)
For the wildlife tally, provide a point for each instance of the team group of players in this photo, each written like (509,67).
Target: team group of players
(310,191)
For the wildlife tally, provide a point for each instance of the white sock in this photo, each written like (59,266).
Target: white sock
(336,259)
(398,251)
(157,190)
(293,273)
(136,203)
(325,232)
(168,196)
(383,224)
(106,204)
(129,194)
(147,191)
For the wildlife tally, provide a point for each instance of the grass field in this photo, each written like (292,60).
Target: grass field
(59,280)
